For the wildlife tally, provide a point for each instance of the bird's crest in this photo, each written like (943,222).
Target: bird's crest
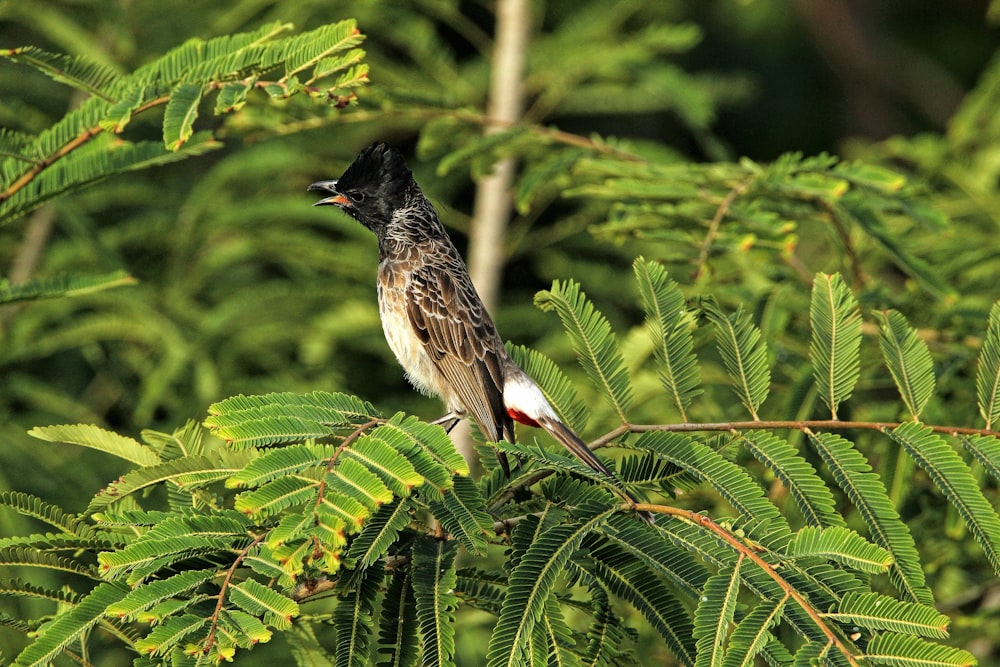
(378,165)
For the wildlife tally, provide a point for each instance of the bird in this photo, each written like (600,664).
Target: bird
(432,316)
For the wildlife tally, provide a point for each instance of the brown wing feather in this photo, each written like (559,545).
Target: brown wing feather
(462,341)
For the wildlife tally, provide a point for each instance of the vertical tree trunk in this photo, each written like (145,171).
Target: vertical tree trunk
(492,209)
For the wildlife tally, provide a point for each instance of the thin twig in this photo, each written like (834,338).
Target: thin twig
(224,587)
(713,227)
(354,435)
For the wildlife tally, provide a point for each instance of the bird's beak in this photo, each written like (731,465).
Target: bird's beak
(329,187)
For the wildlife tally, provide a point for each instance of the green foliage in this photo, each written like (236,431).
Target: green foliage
(304,525)
(343,505)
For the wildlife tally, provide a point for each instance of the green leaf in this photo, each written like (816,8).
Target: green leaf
(353,618)
(988,371)
(190,471)
(379,533)
(352,479)
(669,324)
(279,463)
(808,489)
(744,355)
(842,545)
(168,635)
(33,506)
(879,612)
(836,339)
(97,438)
(276,496)
(399,640)
(753,634)
(866,492)
(633,580)
(462,512)
(382,459)
(908,651)
(531,582)
(433,575)
(57,634)
(181,112)
(257,599)
(64,286)
(143,597)
(954,478)
(986,449)
(593,341)
(732,482)
(714,616)
(908,359)
(77,71)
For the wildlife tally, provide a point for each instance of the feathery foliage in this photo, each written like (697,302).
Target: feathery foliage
(339,506)
(358,536)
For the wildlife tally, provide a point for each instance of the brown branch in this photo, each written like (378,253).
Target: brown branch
(224,587)
(748,551)
(689,427)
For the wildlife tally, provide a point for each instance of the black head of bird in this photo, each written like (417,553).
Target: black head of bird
(372,188)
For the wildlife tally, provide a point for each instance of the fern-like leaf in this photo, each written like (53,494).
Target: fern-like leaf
(836,339)
(76,71)
(988,371)
(908,359)
(280,462)
(57,634)
(463,513)
(143,597)
(714,616)
(353,619)
(954,478)
(64,286)
(189,471)
(897,650)
(632,580)
(744,355)
(730,480)
(398,637)
(879,612)
(753,634)
(97,438)
(258,600)
(168,635)
(986,449)
(593,341)
(810,493)
(669,324)
(379,533)
(842,545)
(180,114)
(866,492)
(531,583)
(433,575)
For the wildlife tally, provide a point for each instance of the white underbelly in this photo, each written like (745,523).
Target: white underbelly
(409,351)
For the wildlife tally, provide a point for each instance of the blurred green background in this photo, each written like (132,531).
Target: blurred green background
(246,288)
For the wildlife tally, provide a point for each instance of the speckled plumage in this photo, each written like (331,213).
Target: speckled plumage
(432,316)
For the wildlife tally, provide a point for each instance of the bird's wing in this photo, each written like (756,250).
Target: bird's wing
(461,339)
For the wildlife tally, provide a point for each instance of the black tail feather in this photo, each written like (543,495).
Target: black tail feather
(578,448)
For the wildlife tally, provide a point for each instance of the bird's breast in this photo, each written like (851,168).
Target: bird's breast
(400,334)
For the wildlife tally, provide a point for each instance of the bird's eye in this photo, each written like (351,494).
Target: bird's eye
(356,197)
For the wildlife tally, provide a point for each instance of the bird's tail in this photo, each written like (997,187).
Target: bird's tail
(578,448)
